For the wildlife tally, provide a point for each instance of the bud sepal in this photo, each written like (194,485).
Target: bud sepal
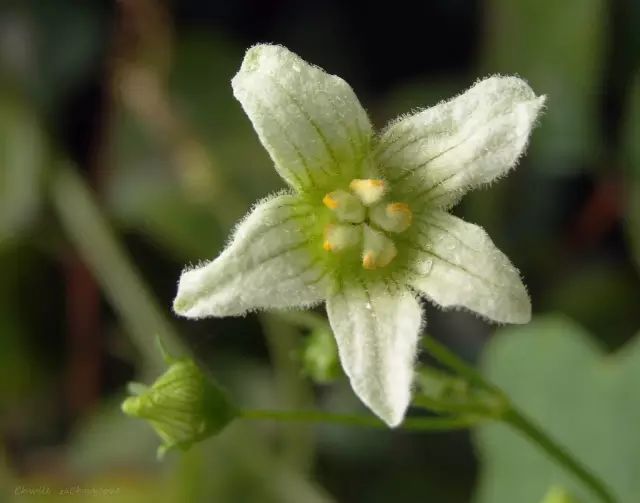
(183,405)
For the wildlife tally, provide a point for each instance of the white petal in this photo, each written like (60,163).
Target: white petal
(266,265)
(467,270)
(462,143)
(310,122)
(376,328)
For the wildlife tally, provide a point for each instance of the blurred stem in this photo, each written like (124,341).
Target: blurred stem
(412,424)
(455,363)
(282,340)
(89,231)
(84,336)
(513,417)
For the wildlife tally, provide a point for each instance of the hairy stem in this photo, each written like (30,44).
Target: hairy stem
(511,416)
(412,423)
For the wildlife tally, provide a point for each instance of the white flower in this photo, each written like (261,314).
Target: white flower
(364,225)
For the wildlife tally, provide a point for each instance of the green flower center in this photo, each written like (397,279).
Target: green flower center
(362,217)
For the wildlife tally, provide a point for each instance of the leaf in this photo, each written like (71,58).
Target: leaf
(631,134)
(586,400)
(22,159)
(558,47)
(631,157)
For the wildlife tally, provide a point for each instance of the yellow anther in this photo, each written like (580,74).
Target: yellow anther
(399,208)
(340,236)
(378,251)
(368,261)
(392,217)
(330,202)
(368,190)
(387,255)
(345,205)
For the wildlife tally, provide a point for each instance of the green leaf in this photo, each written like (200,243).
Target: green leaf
(633,221)
(588,401)
(631,132)
(558,47)
(22,159)
(631,159)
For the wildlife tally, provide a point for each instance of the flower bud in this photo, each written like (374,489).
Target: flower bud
(183,406)
(320,356)
(440,391)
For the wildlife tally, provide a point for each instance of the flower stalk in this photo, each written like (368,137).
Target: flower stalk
(512,416)
(433,424)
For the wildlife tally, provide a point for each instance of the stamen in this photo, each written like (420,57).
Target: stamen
(346,207)
(338,237)
(368,190)
(330,202)
(369,261)
(378,251)
(392,217)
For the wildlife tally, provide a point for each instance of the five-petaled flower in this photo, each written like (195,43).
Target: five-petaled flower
(364,225)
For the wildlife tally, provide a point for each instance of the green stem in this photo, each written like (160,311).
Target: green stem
(410,423)
(521,423)
(282,340)
(514,418)
(455,363)
(89,231)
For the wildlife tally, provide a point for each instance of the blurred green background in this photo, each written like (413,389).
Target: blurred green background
(134,98)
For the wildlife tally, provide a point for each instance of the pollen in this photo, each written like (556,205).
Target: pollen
(379,250)
(330,202)
(362,217)
(400,215)
(399,208)
(369,261)
(369,190)
(345,206)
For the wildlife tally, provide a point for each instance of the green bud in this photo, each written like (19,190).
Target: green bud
(320,356)
(442,392)
(558,495)
(183,406)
